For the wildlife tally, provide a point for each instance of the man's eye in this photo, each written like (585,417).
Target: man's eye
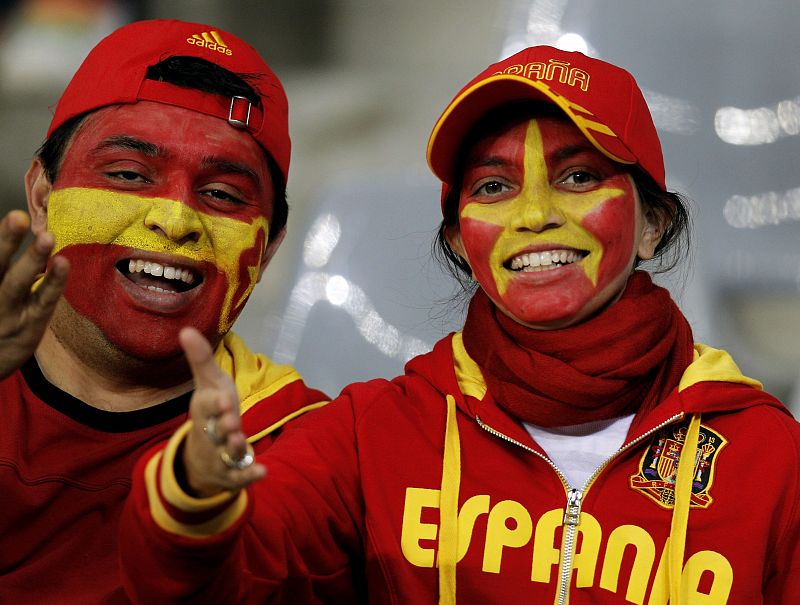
(492,188)
(219,194)
(126,175)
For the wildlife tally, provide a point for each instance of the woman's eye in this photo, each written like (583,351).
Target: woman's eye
(579,177)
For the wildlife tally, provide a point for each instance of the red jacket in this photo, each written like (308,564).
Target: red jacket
(422,490)
(65,473)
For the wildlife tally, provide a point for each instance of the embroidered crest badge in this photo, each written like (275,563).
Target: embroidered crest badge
(658,466)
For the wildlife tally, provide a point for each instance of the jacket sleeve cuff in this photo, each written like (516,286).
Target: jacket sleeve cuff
(179,513)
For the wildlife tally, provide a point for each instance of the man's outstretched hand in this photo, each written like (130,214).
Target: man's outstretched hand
(216,434)
(24,313)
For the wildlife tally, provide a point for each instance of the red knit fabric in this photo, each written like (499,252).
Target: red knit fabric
(623,360)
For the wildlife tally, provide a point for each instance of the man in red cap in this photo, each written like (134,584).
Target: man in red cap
(156,202)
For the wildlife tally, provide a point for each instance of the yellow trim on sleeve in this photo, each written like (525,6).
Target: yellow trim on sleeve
(182,500)
(202,530)
(169,486)
(262,433)
(712,364)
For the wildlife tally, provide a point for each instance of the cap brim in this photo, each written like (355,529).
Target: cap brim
(473,102)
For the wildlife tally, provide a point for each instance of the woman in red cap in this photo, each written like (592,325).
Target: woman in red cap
(570,445)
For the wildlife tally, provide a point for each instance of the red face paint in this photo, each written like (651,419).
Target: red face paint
(549,226)
(163,213)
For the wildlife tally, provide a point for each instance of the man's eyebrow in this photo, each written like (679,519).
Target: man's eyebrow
(132,143)
(231,167)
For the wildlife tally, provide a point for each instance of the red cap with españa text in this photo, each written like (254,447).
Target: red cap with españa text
(603,101)
(114,73)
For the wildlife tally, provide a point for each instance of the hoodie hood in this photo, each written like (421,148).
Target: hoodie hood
(695,394)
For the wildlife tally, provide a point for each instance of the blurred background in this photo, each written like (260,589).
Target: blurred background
(354,293)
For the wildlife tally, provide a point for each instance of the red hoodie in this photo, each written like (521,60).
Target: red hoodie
(422,490)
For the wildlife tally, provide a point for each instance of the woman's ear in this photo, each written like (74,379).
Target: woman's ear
(453,236)
(37,190)
(655,224)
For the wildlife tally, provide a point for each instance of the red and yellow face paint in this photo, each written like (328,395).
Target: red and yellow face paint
(162,218)
(549,226)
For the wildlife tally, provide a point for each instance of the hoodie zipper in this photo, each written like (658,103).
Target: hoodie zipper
(572,509)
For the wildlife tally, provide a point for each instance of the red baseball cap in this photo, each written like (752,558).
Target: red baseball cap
(114,73)
(603,100)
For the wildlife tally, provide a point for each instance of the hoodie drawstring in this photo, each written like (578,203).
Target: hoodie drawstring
(448,508)
(680,512)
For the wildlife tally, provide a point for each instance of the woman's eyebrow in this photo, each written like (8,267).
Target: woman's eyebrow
(486,161)
(569,151)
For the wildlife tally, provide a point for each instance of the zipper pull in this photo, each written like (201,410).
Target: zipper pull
(572,513)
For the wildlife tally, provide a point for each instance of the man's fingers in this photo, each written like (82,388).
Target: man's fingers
(13,228)
(18,280)
(51,288)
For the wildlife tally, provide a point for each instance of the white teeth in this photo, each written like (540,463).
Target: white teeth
(157,289)
(159,270)
(537,261)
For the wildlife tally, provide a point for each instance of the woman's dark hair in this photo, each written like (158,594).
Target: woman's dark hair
(188,72)
(673,207)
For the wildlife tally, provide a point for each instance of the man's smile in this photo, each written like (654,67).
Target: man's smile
(159,277)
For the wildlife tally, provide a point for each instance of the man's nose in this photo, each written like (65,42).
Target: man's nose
(175,220)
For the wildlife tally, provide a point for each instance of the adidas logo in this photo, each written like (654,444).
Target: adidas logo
(210,40)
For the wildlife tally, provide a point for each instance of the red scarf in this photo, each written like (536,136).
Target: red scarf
(624,360)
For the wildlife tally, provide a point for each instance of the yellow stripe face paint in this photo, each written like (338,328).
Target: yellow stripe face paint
(548,224)
(102,232)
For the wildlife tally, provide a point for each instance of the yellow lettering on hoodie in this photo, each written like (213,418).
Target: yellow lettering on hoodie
(472,509)
(545,554)
(414,529)
(619,540)
(707,576)
(713,562)
(585,561)
(499,534)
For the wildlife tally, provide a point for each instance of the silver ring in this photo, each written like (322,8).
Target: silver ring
(210,429)
(239,463)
